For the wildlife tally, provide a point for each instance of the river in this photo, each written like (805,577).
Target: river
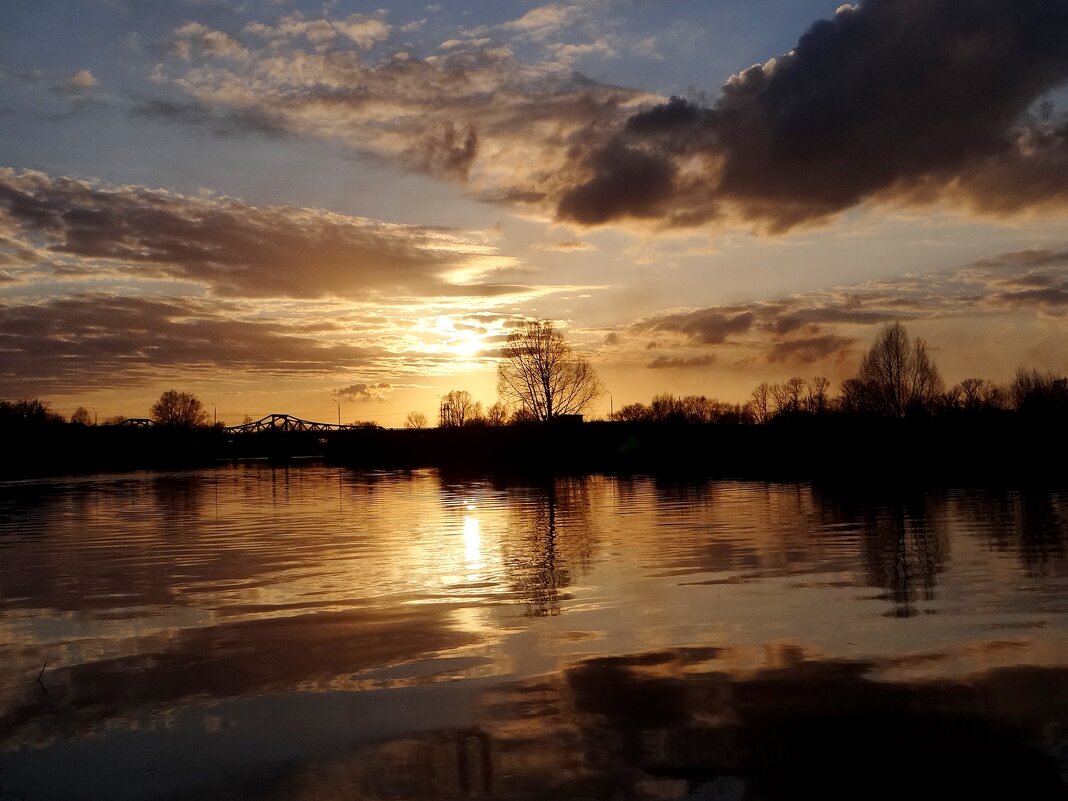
(259,632)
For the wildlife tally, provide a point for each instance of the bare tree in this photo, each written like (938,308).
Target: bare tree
(415,420)
(497,414)
(541,375)
(759,405)
(974,394)
(666,407)
(179,410)
(81,417)
(1035,392)
(789,395)
(816,403)
(897,375)
(458,409)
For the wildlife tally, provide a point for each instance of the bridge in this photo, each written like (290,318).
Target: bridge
(272,422)
(286,422)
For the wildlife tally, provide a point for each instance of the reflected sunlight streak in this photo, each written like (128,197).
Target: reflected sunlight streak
(472,543)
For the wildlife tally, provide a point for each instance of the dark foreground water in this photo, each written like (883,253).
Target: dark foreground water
(309,633)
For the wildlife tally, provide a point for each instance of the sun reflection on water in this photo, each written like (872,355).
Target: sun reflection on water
(472,543)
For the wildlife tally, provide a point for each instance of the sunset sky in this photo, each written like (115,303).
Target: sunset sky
(278,205)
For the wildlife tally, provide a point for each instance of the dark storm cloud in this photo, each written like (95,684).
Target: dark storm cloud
(235,248)
(892,100)
(87,341)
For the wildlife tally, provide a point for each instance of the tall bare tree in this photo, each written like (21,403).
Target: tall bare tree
(179,409)
(898,375)
(759,405)
(542,376)
(816,403)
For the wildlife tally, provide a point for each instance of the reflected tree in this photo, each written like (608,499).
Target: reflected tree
(553,543)
(905,552)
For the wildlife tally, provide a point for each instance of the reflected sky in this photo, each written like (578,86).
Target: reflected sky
(384,617)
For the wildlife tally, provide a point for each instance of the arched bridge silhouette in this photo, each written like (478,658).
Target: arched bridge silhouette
(286,422)
(272,422)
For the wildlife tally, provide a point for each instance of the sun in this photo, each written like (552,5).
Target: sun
(467,344)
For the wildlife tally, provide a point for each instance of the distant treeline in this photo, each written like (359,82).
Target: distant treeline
(1032,393)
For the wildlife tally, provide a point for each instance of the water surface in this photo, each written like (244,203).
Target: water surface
(263,632)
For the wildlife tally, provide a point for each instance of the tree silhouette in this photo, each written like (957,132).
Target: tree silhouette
(759,404)
(179,410)
(459,409)
(1036,393)
(896,376)
(541,375)
(415,420)
(81,417)
(497,414)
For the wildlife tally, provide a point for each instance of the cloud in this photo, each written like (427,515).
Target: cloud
(544,21)
(474,113)
(196,37)
(82,80)
(567,246)
(809,349)
(890,100)
(707,326)
(1029,278)
(94,340)
(364,31)
(364,392)
(98,339)
(237,249)
(221,122)
(671,362)
(830,326)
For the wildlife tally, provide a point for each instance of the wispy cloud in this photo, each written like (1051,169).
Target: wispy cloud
(830,327)
(237,249)
(475,113)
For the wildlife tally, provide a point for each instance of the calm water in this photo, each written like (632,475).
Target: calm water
(312,633)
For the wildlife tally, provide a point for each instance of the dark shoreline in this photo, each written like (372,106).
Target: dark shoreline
(999,450)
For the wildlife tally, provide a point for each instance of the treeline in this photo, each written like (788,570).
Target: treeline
(897,378)
(1030,392)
